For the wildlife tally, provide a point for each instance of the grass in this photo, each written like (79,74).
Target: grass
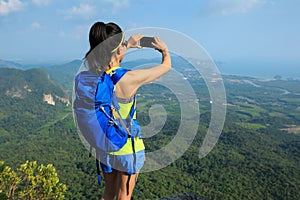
(293,100)
(276,114)
(2,115)
(250,109)
(60,117)
(251,126)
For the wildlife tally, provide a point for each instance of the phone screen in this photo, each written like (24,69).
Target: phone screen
(146,42)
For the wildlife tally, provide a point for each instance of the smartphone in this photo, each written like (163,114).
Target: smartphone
(146,42)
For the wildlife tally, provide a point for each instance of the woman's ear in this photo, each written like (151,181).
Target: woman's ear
(113,59)
(108,67)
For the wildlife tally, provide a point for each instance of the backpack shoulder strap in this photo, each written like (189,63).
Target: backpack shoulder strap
(117,73)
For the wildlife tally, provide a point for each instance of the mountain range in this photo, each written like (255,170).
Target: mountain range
(256,156)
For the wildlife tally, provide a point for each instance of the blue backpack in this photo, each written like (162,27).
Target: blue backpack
(94,106)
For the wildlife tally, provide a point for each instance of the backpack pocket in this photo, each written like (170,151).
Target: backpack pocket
(115,135)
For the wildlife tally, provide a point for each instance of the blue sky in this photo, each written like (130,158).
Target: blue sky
(56,31)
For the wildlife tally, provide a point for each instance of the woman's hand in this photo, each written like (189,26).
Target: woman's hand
(133,41)
(159,45)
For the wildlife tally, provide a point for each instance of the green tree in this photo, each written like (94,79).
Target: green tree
(30,181)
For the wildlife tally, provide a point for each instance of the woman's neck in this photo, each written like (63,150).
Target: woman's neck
(114,62)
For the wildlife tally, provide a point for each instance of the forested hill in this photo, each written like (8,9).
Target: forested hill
(34,81)
(64,73)
(256,157)
(10,64)
(28,100)
(60,73)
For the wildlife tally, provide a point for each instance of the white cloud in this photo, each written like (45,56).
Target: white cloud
(35,25)
(78,32)
(117,4)
(40,2)
(228,7)
(7,7)
(85,11)
(64,35)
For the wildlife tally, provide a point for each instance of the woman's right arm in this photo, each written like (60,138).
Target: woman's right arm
(142,76)
(134,79)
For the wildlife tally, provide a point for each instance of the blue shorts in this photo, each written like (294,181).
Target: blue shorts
(106,168)
(129,164)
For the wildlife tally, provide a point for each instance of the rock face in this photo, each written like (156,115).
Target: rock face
(49,99)
(185,196)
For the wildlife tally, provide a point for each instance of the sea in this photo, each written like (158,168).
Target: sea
(241,67)
(267,70)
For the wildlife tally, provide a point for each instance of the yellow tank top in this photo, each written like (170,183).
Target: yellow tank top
(125,107)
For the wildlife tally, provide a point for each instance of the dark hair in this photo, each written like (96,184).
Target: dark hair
(109,36)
